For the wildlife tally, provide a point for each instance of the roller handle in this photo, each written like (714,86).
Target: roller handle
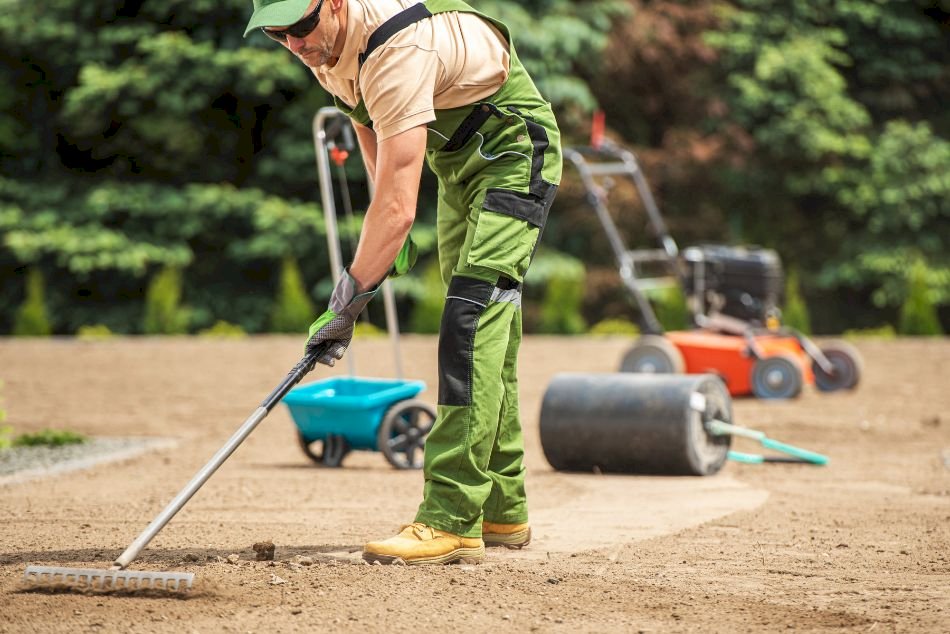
(797,452)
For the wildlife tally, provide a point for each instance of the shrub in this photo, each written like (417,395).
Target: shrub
(163,313)
(366,330)
(561,306)
(293,310)
(918,315)
(426,315)
(795,312)
(96,332)
(671,309)
(885,332)
(224,330)
(49,438)
(615,326)
(31,318)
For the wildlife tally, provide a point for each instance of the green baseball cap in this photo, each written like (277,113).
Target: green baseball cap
(276,13)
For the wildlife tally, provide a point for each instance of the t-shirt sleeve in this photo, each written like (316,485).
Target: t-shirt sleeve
(398,85)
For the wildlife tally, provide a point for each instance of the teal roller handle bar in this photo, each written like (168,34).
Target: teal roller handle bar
(798,455)
(798,452)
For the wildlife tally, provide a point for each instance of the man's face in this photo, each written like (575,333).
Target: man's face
(316,48)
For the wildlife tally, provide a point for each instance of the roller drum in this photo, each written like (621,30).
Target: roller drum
(635,423)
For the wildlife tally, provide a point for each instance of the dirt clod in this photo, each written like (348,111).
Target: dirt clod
(264,550)
(233,558)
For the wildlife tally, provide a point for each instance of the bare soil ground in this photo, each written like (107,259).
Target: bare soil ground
(860,545)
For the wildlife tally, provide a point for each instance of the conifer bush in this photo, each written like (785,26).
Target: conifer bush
(918,315)
(164,314)
(795,313)
(31,318)
(293,310)
(561,307)
(671,309)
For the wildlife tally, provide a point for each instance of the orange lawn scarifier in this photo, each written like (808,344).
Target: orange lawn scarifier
(732,292)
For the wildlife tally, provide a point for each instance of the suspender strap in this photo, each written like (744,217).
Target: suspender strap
(393,25)
(470,125)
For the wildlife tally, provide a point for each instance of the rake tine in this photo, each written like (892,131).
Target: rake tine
(107,579)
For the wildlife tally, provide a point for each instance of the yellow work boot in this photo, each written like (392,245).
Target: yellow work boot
(507,535)
(420,544)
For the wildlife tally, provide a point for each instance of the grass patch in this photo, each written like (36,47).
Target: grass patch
(49,438)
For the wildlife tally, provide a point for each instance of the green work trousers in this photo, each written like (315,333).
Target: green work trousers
(494,196)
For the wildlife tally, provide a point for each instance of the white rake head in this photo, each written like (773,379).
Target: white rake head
(43,576)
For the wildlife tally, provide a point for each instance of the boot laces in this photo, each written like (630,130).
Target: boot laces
(421,531)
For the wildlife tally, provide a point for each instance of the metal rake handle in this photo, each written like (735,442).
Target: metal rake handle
(303,367)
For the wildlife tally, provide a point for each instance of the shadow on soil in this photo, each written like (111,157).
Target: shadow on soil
(103,558)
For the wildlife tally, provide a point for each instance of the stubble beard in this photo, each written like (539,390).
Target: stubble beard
(314,57)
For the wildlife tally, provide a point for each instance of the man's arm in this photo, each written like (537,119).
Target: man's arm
(367,140)
(396,168)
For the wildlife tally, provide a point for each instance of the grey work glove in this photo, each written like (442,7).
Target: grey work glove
(336,325)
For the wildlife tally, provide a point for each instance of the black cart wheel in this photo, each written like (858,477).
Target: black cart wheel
(847,364)
(777,377)
(402,434)
(326,452)
(653,354)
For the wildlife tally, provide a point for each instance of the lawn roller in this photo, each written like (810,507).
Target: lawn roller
(117,577)
(337,415)
(658,424)
(732,292)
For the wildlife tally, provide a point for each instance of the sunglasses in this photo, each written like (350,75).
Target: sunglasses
(299,29)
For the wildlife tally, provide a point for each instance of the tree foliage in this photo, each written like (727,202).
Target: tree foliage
(817,128)
(136,136)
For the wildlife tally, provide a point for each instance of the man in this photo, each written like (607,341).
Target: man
(439,81)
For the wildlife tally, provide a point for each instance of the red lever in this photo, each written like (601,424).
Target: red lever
(597,129)
(338,156)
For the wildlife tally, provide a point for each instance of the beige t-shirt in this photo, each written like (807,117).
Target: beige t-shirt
(449,60)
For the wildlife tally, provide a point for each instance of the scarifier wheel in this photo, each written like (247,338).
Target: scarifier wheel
(653,354)
(402,434)
(847,363)
(777,377)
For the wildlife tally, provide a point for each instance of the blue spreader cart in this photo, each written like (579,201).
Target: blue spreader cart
(337,415)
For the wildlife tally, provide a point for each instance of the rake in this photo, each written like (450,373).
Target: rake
(117,577)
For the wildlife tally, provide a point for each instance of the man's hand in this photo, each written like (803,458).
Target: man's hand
(336,324)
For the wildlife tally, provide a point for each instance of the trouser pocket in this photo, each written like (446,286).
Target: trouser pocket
(507,230)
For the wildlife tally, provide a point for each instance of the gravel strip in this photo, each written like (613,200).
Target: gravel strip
(20,464)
